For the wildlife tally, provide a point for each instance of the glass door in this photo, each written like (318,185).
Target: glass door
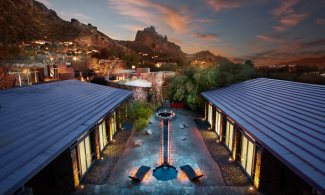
(102,135)
(229,135)
(210,115)
(112,126)
(257,168)
(85,156)
(218,123)
(247,154)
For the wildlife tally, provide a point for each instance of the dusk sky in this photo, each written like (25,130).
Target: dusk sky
(267,31)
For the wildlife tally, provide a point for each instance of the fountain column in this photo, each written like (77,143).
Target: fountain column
(165,171)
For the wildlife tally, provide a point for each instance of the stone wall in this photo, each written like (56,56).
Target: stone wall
(139,93)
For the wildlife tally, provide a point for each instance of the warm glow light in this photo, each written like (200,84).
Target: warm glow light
(133,67)
(133,172)
(74,58)
(147,178)
(25,71)
(182,177)
(251,188)
(198,172)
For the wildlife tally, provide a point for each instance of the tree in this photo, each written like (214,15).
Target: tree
(130,59)
(176,89)
(187,88)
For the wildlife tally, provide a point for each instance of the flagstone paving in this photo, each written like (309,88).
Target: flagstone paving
(187,147)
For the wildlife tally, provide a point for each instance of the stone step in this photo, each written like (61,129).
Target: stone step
(178,189)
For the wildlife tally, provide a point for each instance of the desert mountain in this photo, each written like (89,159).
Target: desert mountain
(28,20)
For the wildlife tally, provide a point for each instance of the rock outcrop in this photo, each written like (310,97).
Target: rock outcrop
(151,42)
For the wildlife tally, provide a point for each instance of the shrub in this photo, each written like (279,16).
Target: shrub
(139,113)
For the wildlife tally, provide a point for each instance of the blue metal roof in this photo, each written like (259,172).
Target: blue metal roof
(39,122)
(287,118)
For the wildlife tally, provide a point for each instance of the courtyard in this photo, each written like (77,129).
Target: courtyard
(187,147)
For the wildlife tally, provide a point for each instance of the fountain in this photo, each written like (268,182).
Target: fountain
(165,115)
(165,171)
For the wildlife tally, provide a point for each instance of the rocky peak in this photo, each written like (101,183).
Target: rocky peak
(151,29)
(150,38)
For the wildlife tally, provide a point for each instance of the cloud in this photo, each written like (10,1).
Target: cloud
(45,2)
(279,28)
(267,38)
(204,20)
(293,19)
(285,7)
(151,13)
(320,21)
(279,37)
(287,16)
(206,36)
(219,5)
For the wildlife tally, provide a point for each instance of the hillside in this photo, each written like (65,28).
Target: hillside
(28,20)
(207,58)
(307,61)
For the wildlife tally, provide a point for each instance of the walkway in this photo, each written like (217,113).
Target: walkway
(187,147)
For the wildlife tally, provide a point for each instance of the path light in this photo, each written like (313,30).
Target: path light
(251,188)
(102,158)
(230,159)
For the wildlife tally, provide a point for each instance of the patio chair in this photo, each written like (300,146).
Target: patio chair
(142,171)
(189,171)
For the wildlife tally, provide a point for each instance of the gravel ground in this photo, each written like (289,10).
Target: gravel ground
(102,168)
(232,173)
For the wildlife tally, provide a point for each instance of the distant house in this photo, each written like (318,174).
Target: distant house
(275,130)
(51,134)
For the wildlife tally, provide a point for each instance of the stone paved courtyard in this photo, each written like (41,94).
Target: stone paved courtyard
(187,147)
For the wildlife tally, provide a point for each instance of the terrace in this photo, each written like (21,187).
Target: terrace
(186,147)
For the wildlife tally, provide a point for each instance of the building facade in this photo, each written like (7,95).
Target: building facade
(275,130)
(58,131)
